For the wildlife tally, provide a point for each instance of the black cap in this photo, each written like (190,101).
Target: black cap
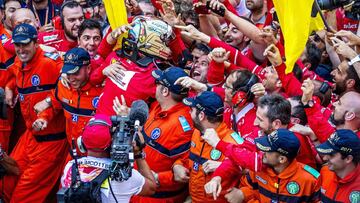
(24,33)
(168,78)
(208,102)
(282,140)
(75,59)
(343,141)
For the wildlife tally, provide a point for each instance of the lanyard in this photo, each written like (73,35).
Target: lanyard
(37,16)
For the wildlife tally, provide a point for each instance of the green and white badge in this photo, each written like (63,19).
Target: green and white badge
(215,154)
(354,197)
(293,187)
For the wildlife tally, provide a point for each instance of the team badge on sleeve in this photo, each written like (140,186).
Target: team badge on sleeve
(354,197)
(35,80)
(155,134)
(184,124)
(293,187)
(95,102)
(215,154)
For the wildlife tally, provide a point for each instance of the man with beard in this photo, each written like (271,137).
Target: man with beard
(206,112)
(346,114)
(345,78)
(275,174)
(44,11)
(339,179)
(72,16)
(257,12)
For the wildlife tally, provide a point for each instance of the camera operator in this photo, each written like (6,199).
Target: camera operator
(97,140)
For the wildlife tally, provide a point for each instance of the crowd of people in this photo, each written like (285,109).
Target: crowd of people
(226,123)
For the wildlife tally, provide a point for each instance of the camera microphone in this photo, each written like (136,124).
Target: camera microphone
(139,112)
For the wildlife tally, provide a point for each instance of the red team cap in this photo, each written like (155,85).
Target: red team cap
(96,135)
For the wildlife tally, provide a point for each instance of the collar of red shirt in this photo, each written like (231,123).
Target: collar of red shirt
(351,176)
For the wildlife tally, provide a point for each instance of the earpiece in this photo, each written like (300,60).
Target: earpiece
(80,145)
(243,94)
(92,122)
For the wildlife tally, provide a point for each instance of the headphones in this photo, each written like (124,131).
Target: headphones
(92,122)
(242,94)
(65,4)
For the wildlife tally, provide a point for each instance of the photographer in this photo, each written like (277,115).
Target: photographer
(97,140)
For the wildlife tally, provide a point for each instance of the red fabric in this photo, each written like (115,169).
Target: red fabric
(290,84)
(130,89)
(96,76)
(236,57)
(97,135)
(57,40)
(105,48)
(245,126)
(318,123)
(339,189)
(344,23)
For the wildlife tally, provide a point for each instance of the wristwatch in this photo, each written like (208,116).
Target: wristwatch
(142,155)
(354,60)
(48,100)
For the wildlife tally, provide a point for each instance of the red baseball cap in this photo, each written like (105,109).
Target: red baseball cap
(96,135)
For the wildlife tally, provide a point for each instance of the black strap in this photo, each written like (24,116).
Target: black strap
(50,137)
(234,124)
(167,194)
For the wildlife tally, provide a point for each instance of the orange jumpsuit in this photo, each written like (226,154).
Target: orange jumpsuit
(297,183)
(6,60)
(200,152)
(168,135)
(79,106)
(334,189)
(38,154)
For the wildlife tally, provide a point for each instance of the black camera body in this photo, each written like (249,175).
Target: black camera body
(121,151)
(352,7)
(3,106)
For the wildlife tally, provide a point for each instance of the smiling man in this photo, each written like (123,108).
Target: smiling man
(63,40)
(339,179)
(81,100)
(42,148)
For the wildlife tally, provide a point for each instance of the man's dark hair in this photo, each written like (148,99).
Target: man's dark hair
(242,79)
(298,111)
(352,74)
(211,119)
(202,47)
(277,108)
(90,24)
(356,157)
(313,55)
(192,15)
(68,4)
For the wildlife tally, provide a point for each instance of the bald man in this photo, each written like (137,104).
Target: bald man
(23,15)
(347,112)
